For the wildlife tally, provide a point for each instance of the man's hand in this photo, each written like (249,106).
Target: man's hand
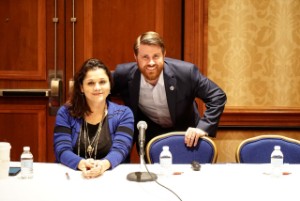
(192,136)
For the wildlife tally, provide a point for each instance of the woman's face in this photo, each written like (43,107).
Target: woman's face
(96,86)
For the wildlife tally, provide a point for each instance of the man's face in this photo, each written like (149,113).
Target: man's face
(150,60)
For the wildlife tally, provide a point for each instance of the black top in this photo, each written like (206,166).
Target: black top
(104,142)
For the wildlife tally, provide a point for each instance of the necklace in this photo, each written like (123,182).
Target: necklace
(92,147)
(92,144)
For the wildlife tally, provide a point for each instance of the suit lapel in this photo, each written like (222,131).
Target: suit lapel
(170,87)
(134,90)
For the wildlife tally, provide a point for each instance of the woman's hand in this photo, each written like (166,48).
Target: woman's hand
(93,168)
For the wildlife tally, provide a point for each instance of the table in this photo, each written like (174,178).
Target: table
(227,182)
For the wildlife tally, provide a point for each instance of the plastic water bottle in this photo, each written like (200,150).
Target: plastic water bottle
(166,160)
(276,161)
(26,163)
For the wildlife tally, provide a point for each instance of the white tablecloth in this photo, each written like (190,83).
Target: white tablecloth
(227,182)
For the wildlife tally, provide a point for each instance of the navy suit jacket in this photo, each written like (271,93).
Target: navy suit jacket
(183,83)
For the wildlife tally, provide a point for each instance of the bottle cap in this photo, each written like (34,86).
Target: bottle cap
(165,147)
(26,148)
(276,147)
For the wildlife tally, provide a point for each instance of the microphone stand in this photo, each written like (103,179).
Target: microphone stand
(142,176)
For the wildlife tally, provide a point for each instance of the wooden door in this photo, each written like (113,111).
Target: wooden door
(28,65)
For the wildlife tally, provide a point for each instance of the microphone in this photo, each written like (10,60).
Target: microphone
(142,176)
(142,126)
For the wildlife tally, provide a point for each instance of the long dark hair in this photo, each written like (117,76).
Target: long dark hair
(78,106)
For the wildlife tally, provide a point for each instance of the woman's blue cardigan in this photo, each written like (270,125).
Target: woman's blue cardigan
(67,128)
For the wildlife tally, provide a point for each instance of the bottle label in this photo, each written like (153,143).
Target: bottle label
(163,157)
(277,156)
(27,163)
(277,161)
(166,161)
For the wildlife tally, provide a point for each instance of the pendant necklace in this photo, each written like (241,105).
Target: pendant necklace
(90,147)
(93,148)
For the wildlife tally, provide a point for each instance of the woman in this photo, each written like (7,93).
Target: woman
(91,133)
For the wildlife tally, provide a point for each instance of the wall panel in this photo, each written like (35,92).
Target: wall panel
(253,50)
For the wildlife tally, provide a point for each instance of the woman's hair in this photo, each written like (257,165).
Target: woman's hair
(78,106)
(149,38)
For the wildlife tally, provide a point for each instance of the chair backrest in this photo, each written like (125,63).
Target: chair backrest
(204,152)
(258,149)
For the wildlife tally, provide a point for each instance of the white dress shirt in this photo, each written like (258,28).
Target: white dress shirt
(153,102)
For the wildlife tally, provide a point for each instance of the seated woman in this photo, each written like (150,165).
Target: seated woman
(91,133)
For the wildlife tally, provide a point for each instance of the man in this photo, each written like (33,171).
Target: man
(162,92)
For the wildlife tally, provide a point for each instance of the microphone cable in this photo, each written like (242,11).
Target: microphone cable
(162,184)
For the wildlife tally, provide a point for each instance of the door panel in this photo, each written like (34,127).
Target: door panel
(23,43)
(24,125)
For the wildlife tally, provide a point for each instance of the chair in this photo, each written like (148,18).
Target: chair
(258,149)
(204,152)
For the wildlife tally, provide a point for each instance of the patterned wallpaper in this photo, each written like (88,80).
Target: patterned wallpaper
(254,51)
